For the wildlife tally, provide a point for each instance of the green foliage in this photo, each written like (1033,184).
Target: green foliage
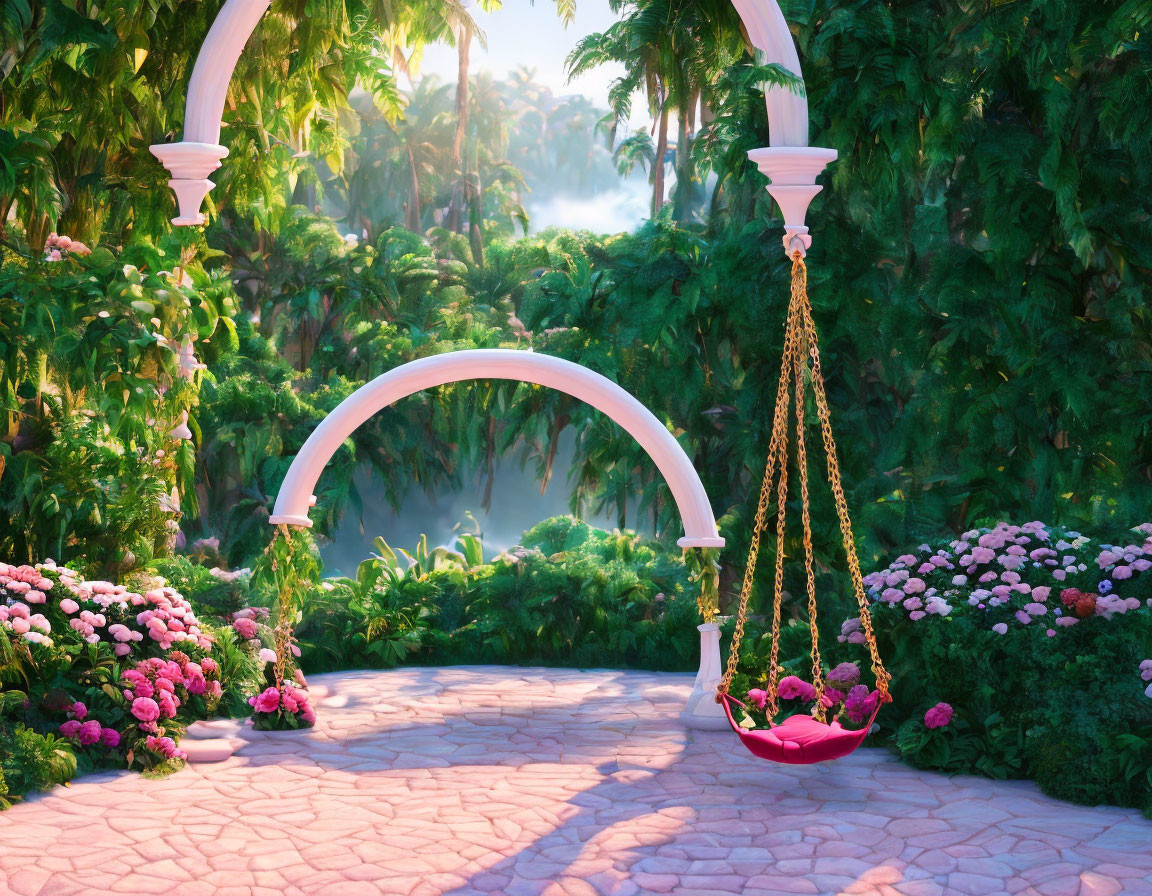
(30,761)
(210,592)
(570,595)
(98,372)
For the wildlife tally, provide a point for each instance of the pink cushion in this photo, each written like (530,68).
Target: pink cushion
(800,739)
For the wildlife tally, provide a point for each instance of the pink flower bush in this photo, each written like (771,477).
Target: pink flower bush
(286,707)
(99,612)
(938,716)
(87,733)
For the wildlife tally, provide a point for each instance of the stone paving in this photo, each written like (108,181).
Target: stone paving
(541,782)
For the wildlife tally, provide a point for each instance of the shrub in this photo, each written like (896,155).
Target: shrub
(568,595)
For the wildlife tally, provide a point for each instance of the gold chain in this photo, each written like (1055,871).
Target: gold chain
(800,328)
(798,364)
(883,677)
(777,456)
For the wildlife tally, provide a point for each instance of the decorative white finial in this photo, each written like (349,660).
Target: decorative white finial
(792,171)
(190,164)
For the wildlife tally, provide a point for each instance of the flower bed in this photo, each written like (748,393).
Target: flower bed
(1022,651)
(95,674)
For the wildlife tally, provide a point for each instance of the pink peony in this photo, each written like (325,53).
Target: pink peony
(938,716)
(145,709)
(110,738)
(759,698)
(79,710)
(793,688)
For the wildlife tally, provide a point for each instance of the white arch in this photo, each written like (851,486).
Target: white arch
(790,164)
(295,495)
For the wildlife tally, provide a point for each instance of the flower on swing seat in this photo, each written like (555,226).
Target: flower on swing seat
(793,688)
(860,703)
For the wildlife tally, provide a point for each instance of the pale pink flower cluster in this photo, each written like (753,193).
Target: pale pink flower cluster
(288,699)
(1010,569)
(56,247)
(21,588)
(122,618)
(1146,675)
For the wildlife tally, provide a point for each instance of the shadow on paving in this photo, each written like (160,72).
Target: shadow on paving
(633,779)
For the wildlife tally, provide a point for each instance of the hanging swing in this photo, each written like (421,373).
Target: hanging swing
(800,739)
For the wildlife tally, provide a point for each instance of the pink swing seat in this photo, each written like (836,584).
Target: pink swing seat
(799,739)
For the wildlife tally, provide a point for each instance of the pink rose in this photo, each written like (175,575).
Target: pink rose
(267,701)
(79,710)
(245,628)
(759,698)
(110,738)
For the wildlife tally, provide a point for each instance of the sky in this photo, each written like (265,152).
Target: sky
(523,33)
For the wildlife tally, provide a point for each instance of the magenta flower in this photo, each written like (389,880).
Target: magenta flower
(860,704)
(793,688)
(110,738)
(267,701)
(79,710)
(89,732)
(758,698)
(938,716)
(71,728)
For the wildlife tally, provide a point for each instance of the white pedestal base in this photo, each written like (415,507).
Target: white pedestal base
(702,712)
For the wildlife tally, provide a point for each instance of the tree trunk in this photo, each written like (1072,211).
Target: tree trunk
(412,210)
(658,162)
(459,190)
(686,197)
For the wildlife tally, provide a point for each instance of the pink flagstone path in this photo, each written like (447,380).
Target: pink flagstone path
(492,780)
